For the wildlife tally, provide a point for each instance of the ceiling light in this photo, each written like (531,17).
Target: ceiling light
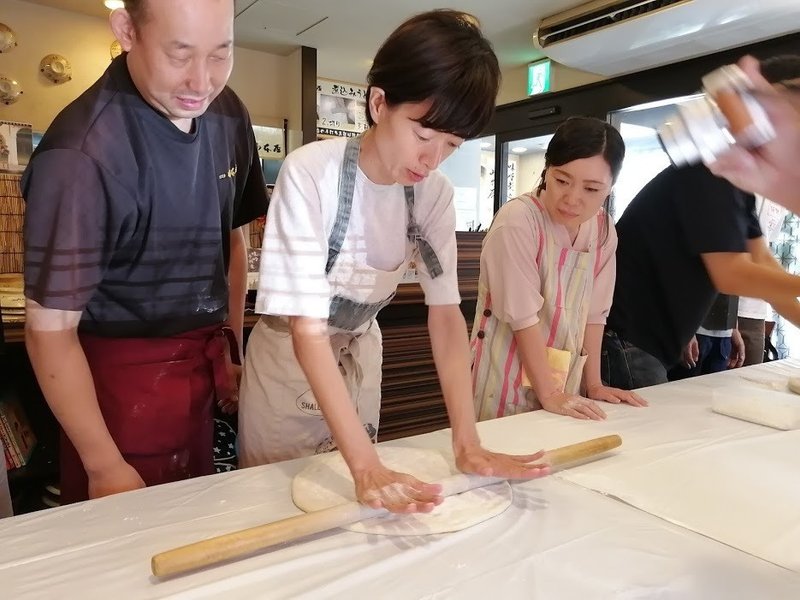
(114,4)
(519,149)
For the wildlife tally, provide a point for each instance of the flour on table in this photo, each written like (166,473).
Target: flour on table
(326,482)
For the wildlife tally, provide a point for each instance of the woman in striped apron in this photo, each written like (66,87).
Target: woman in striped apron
(346,219)
(546,284)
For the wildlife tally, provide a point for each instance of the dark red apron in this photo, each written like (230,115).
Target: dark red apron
(157,397)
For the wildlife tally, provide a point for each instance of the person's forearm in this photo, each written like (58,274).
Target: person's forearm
(450,345)
(533,355)
(788,308)
(312,348)
(65,379)
(237,285)
(744,277)
(592,343)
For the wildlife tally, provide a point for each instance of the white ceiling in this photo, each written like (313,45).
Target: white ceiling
(350,31)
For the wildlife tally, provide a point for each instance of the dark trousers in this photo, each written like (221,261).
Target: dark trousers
(753,334)
(624,366)
(713,356)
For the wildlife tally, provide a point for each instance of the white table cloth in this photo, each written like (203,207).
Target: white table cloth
(559,539)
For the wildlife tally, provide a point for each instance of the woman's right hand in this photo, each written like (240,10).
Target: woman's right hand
(396,492)
(572,405)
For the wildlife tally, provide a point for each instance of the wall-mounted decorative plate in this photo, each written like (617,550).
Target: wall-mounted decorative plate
(10,90)
(56,68)
(8,39)
(116,49)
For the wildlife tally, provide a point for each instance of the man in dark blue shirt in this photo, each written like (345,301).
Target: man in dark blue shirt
(134,257)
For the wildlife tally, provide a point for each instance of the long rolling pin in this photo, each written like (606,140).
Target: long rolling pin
(247,541)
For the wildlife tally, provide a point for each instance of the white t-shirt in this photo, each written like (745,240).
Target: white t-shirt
(770,217)
(302,211)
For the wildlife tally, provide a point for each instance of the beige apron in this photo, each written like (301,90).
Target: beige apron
(279,417)
(567,278)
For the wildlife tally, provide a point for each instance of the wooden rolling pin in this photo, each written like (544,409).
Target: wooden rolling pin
(247,541)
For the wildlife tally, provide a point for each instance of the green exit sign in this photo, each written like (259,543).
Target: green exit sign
(538,77)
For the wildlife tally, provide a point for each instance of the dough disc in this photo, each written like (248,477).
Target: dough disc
(326,482)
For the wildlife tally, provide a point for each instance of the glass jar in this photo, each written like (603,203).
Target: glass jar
(726,113)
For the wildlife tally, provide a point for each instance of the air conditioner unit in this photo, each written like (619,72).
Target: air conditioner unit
(614,37)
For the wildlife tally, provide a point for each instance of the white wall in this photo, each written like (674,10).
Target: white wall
(515,81)
(258,77)
(530,171)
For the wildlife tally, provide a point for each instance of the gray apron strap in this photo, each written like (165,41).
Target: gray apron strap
(347,183)
(425,250)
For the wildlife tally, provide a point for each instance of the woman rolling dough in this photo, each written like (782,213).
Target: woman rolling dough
(346,218)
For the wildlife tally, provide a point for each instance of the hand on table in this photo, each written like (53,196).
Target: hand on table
(614,395)
(118,478)
(572,405)
(396,492)
(480,461)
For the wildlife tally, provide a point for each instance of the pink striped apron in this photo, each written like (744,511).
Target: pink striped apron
(567,278)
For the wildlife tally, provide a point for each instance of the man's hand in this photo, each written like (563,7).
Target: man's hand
(737,356)
(120,477)
(691,354)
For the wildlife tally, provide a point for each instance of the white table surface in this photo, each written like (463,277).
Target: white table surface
(560,538)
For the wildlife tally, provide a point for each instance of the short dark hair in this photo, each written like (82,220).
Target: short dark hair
(136,9)
(442,56)
(584,137)
(784,67)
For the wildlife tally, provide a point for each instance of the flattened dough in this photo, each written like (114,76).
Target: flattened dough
(326,482)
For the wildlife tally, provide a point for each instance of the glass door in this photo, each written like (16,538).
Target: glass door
(471,171)
(644,156)
(521,161)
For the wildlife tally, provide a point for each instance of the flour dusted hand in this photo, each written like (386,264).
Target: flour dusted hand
(118,478)
(396,492)
(480,461)
(571,405)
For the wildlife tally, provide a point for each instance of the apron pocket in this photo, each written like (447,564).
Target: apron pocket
(576,373)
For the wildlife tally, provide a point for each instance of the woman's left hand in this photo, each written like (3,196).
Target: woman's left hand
(478,460)
(614,395)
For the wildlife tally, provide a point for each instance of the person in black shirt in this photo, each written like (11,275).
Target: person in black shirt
(685,236)
(134,257)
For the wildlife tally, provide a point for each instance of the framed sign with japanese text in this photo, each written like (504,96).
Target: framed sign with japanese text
(270,142)
(341,109)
